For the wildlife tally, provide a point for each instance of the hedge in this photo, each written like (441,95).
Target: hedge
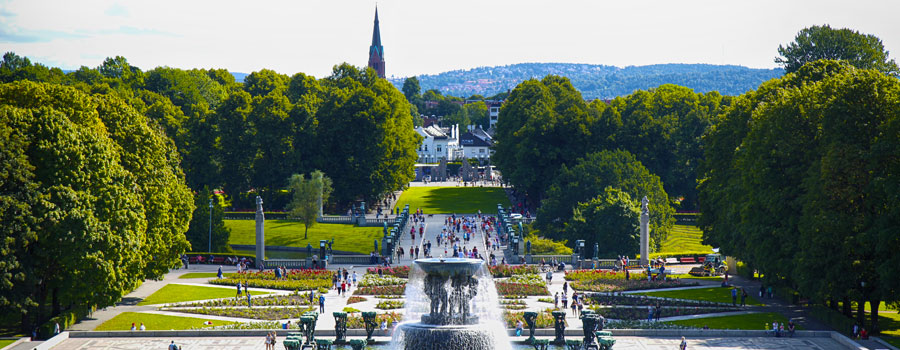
(65,319)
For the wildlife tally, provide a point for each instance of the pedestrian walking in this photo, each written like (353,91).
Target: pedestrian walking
(743,297)
(321,304)
(249,305)
(733,296)
(683,345)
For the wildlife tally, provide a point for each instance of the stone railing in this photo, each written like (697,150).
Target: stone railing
(536,259)
(335,219)
(287,263)
(350,259)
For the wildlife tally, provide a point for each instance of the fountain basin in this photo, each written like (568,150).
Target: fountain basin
(450,267)
(419,336)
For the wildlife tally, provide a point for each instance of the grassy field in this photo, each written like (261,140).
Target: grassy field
(715,294)
(174,293)
(290,234)
(684,239)
(746,322)
(450,200)
(5,342)
(154,322)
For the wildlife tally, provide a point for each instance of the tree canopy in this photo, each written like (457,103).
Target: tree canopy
(93,200)
(825,43)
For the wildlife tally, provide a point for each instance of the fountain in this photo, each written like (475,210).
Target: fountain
(456,306)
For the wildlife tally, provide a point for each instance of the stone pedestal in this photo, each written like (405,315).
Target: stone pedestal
(260,233)
(645,232)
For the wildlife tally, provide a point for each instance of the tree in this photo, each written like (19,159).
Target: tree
(309,197)
(822,42)
(592,176)
(411,88)
(198,232)
(365,126)
(611,219)
(543,126)
(98,189)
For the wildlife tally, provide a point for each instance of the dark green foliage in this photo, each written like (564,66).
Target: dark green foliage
(93,200)
(800,181)
(825,43)
(198,234)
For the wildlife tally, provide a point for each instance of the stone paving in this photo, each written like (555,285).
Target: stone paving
(622,343)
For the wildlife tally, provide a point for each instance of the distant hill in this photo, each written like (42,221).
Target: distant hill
(598,81)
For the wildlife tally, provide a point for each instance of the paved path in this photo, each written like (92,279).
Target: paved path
(622,343)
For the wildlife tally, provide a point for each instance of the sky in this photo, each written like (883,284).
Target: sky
(421,36)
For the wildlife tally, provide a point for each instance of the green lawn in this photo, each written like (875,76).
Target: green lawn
(684,239)
(755,321)
(154,322)
(450,200)
(290,234)
(890,326)
(702,278)
(174,293)
(5,342)
(716,294)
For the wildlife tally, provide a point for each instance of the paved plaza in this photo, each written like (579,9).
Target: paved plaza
(622,343)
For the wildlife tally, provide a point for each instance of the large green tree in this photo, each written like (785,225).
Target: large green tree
(366,135)
(589,178)
(864,51)
(543,126)
(95,199)
(612,220)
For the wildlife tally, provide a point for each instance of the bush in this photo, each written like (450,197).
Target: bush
(65,319)
(355,299)
(312,284)
(544,319)
(546,246)
(356,322)
(744,270)
(262,313)
(528,278)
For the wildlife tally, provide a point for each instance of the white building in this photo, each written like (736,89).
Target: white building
(438,143)
(476,143)
(493,112)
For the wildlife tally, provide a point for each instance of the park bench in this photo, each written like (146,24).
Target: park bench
(218,260)
(688,260)
(701,259)
(671,261)
(194,259)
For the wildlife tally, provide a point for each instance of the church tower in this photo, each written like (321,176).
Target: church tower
(376,51)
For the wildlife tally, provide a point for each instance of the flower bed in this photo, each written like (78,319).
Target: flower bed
(506,288)
(396,271)
(527,278)
(374,280)
(259,313)
(381,290)
(640,313)
(300,274)
(618,285)
(509,270)
(389,304)
(355,299)
(296,284)
(356,321)
(544,319)
(273,300)
(592,275)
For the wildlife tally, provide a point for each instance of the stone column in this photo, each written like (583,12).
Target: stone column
(645,231)
(260,234)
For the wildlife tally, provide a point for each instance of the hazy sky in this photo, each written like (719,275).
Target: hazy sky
(422,37)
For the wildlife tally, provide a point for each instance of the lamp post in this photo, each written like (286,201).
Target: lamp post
(209,248)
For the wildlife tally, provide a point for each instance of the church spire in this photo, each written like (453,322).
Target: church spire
(376,51)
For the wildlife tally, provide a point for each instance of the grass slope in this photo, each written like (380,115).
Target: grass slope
(290,234)
(450,200)
(684,239)
(715,294)
(154,322)
(755,321)
(5,342)
(173,293)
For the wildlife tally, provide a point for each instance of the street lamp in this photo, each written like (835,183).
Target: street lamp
(209,248)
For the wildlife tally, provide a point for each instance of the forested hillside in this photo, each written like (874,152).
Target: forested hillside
(599,81)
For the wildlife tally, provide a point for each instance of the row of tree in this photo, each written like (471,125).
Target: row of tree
(800,181)
(92,201)
(352,125)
